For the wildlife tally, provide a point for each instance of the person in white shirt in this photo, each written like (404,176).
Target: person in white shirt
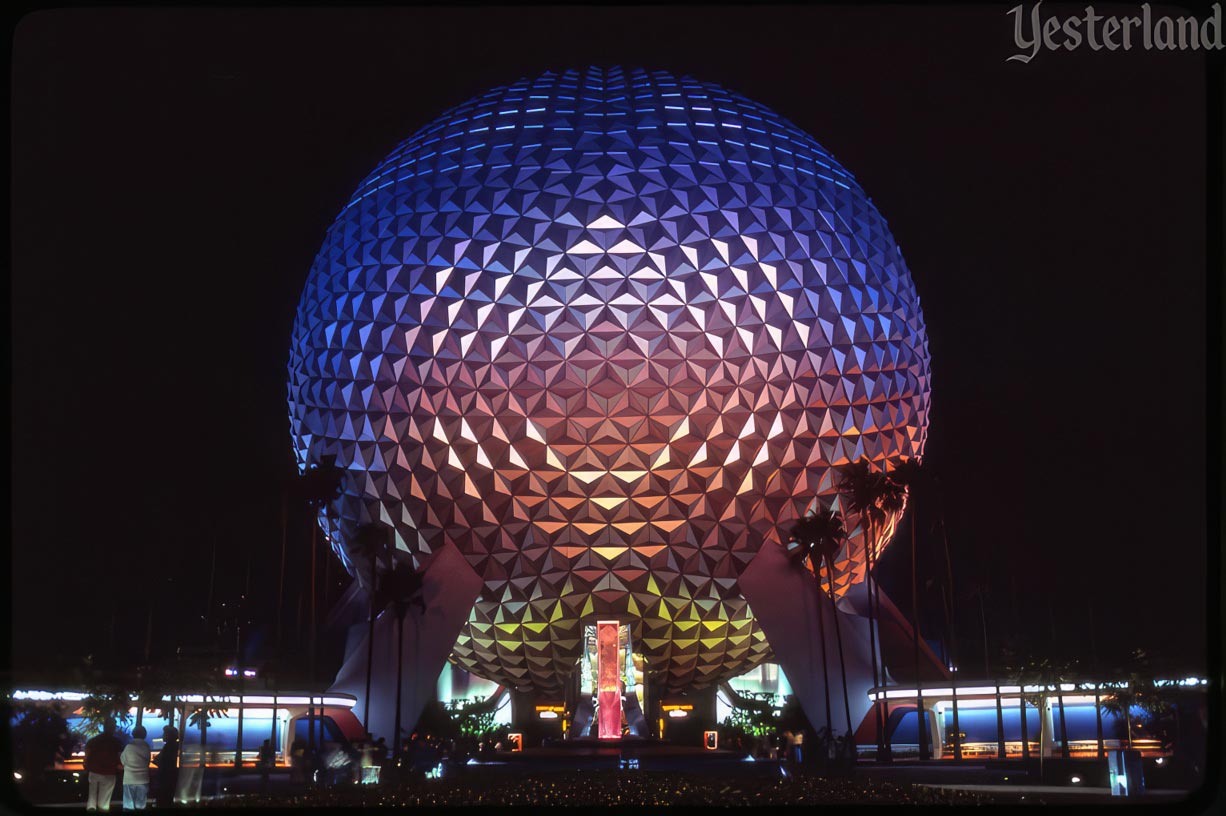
(135,759)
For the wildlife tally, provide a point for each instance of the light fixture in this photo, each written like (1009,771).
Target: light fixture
(549,715)
(677,714)
(17,775)
(1075,779)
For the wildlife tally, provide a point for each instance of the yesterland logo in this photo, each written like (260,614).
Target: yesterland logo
(1144,30)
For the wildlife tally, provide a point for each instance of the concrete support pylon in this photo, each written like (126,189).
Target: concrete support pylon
(449,589)
(784,601)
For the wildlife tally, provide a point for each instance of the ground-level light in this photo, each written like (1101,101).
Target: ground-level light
(677,711)
(550,711)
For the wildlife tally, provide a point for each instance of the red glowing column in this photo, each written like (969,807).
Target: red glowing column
(608,672)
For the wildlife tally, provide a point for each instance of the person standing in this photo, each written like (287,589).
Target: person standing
(167,762)
(102,764)
(370,761)
(268,758)
(135,760)
(297,762)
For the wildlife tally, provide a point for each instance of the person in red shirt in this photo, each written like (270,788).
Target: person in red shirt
(103,765)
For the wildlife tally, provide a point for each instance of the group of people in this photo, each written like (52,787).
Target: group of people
(367,761)
(334,763)
(106,758)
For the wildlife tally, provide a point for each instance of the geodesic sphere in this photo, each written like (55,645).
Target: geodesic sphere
(608,333)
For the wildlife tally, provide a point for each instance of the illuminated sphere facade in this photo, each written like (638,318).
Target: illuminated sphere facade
(608,333)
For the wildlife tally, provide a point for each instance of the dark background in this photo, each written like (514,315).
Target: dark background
(174,173)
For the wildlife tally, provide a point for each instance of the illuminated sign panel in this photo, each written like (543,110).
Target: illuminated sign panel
(550,712)
(609,691)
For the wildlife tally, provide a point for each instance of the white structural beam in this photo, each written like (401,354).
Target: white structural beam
(784,601)
(450,588)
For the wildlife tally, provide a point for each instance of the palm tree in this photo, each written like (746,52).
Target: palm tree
(803,534)
(143,670)
(370,543)
(105,701)
(1062,671)
(1047,675)
(401,587)
(200,715)
(979,589)
(152,696)
(1013,670)
(1098,698)
(1137,692)
(821,534)
(910,474)
(876,498)
(319,484)
(951,630)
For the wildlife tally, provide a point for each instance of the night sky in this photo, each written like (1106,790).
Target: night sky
(174,174)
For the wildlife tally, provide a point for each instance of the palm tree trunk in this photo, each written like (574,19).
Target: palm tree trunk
(1098,711)
(821,635)
(1042,731)
(311,708)
(273,735)
(298,619)
(1021,704)
(208,604)
(921,721)
(1064,749)
(399,684)
(140,696)
(281,572)
(238,749)
(872,633)
(238,649)
(983,622)
(838,634)
(1000,724)
(1098,719)
(370,654)
(951,632)
(326,589)
(957,724)
(987,673)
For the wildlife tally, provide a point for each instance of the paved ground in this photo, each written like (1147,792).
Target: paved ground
(1054,795)
(969,778)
